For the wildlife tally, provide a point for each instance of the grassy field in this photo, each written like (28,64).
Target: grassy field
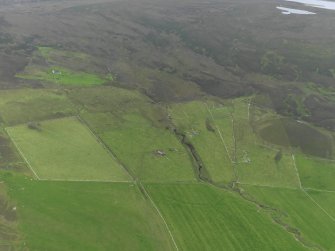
(202,217)
(316,173)
(301,212)
(85,216)
(65,149)
(135,141)
(325,199)
(24,105)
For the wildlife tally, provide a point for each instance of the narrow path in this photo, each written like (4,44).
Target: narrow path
(83,180)
(144,191)
(317,204)
(296,169)
(266,186)
(319,190)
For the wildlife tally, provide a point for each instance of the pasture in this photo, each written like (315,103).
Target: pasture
(326,199)
(80,216)
(301,212)
(65,149)
(316,173)
(202,217)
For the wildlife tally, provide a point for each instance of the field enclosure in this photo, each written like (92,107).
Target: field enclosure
(65,149)
(309,212)
(202,217)
(86,216)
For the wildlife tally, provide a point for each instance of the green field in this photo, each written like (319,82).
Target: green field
(59,216)
(64,149)
(325,199)
(24,105)
(316,173)
(202,217)
(135,141)
(301,212)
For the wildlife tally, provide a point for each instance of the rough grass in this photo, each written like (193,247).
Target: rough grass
(256,162)
(65,149)
(59,216)
(264,170)
(205,218)
(52,55)
(135,140)
(232,144)
(109,99)
(24,105)
(315,225)
(10,237)
(311,140)
(190,118)
(316,173)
